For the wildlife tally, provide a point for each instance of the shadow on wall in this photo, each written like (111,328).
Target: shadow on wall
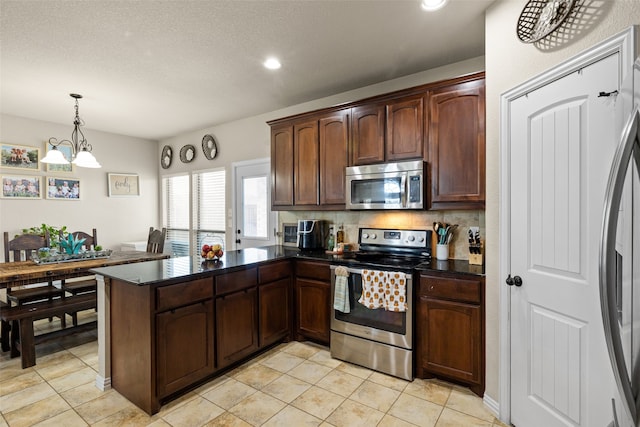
(582,19)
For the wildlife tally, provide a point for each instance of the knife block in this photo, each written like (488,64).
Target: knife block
(477,259)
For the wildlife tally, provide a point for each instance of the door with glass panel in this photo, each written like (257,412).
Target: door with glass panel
(255,223)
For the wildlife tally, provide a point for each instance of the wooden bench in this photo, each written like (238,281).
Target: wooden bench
(22,317)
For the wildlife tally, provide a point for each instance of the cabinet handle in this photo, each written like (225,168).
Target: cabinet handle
(431,287)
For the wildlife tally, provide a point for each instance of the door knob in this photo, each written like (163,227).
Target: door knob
(514,281)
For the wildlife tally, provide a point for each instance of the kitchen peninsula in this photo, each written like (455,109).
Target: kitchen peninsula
(167,326)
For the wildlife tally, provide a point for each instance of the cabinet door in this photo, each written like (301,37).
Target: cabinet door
(367,142)
(450,339)
(306,154)
(184,346)
(282,166)
(275,309)
(457,146)
(236,326)
(405,120)
(313,309)
(333,131)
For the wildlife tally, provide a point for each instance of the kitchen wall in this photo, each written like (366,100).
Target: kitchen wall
(508,64)
(117,219)
(249,139)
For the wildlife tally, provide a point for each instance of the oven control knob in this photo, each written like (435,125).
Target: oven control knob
(411,238)
(373,236)
(421,239)
(365,235)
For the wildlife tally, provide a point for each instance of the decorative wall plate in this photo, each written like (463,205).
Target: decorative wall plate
(539,18)
(209,147)
(166,157)
(187,153)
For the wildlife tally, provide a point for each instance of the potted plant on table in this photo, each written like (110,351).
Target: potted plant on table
(55,235)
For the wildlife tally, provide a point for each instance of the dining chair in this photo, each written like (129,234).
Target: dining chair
(22,248)
(155,242)
(84,284)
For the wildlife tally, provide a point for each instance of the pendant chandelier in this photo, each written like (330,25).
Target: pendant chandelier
(80,148)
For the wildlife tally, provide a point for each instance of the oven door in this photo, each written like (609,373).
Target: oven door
(389,327)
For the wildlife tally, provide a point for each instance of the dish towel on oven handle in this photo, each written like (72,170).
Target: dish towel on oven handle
(341,291)
(373,288)
(384,289)
(395,297)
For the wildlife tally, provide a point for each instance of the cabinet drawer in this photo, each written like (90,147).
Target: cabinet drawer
(183,293)
(237,280)
(274,271)
(313,270)
(453,289)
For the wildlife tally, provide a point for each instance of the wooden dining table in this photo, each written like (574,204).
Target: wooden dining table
(14,274)
(21,273)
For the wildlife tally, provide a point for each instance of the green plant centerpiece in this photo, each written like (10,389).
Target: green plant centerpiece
(55,233)
(71,245)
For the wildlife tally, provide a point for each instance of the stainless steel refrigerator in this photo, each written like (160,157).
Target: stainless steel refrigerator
(620,259)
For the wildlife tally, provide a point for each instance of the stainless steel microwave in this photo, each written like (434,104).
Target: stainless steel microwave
(386,186)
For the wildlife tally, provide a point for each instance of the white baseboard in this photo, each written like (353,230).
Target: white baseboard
(103,384)
(492,405)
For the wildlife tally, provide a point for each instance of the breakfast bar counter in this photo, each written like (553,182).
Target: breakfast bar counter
(165,326)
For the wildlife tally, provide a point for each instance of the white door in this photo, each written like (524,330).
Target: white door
(255,223)
(562,144)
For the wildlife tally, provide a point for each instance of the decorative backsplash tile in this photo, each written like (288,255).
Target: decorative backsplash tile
(353,220)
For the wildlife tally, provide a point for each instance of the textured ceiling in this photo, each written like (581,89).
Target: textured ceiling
(154,69)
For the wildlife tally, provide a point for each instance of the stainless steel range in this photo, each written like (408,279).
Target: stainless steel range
(372,320)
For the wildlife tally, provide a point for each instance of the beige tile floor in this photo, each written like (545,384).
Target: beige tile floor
(294,384)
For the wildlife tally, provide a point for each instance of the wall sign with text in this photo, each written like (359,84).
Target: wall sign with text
(123,184)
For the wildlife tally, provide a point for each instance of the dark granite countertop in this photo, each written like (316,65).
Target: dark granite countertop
(191,267)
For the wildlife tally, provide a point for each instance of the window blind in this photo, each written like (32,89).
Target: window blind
(204,193)
(176,194)
(209,207)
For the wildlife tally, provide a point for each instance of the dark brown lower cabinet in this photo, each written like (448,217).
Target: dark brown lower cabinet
(275,311)
(236,326)
(184,328)
(312,302)
(451,330)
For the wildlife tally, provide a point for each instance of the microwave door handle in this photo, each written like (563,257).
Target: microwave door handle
(405,190)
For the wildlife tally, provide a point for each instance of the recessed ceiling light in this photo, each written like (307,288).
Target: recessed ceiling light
(431,5)
(272,63)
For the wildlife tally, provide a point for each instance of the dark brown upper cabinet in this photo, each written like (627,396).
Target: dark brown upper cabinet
(456,146)
(405,138)
(367,141)
(388,132)
(282,165)
(334,140)
(308,161)
(441,122)
(306,164)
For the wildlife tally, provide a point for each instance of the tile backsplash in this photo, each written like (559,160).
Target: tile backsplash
(353,220)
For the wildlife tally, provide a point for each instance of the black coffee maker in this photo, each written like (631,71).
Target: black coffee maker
(312,234)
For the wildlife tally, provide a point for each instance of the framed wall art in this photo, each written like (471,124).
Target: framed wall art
(67,153)
(19,157)
(21,187)
(63,188)
(123,184)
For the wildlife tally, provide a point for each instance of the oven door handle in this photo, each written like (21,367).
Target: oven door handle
(349,270)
